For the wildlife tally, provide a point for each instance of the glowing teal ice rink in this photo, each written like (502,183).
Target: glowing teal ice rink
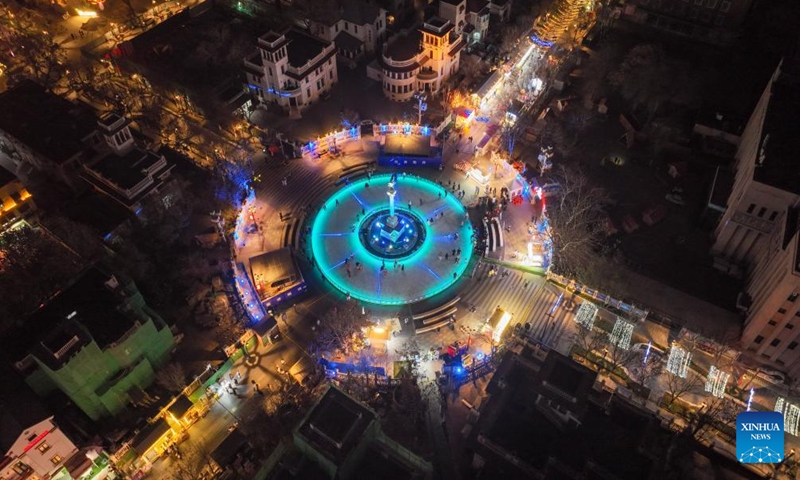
(423,273)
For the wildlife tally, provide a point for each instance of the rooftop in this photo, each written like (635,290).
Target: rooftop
(410,145)
(404,47)
(274,272)
(345,41)
(127,171)
(780,141)
(476,6)
(45,122)
(14,420)
(88,302)
(354,11)
(302,47)
(336,424)
(437,26)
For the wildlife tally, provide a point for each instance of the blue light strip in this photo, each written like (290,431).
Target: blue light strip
(334,267)
(439,209)
(540,42)
(363,205)
(343,234)
(432,272)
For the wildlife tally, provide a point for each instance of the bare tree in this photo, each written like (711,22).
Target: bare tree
(193,462)
(718,411)
(341,329)
(172,377)
(80,238)
(617,357)
(649,371)
(573,217)
(677,387)
(587,340)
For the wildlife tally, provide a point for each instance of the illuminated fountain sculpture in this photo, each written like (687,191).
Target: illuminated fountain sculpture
(392,233)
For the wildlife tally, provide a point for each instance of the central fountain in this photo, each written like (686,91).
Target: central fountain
(393,232)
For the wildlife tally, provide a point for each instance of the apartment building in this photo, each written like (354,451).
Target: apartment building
(759,229)
(291,69)
(356,27)
(418,61)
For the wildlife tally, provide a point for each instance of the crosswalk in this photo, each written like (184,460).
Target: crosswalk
(528,297)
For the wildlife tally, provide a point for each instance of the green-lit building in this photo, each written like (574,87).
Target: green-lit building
(95,341)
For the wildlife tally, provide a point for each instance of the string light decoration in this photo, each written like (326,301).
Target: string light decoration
(791,415)
(779,404)
(586,315)
(791,419)
(678,361)
(716,382)
(552,25)
(750,398)
(621,334)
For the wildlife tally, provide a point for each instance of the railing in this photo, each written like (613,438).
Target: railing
(600,297)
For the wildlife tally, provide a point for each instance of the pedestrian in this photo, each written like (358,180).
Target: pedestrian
(363,211)
(409,205)
(337,202)
(395,264)
(446,256)
(454,252)
(440,195)
(348,271)
(420,201)
(458,252)
(455,275)
(402,268)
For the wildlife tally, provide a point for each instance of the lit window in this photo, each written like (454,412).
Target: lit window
(56,459)
(43,447)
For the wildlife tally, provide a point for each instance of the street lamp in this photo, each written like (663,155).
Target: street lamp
(421,105)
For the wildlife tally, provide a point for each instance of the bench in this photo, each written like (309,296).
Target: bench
(432,327)
(445,314)
(434,311)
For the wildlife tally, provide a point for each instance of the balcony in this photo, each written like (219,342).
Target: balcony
(427,75)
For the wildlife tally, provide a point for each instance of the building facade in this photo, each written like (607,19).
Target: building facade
(291,69)
(759,227)
(712,21)
(470,18)
(356,27)
(40,449)
(95,341)
(16,203)
(419,61)
(121,169)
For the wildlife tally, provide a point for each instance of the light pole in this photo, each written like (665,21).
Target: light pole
(421,105)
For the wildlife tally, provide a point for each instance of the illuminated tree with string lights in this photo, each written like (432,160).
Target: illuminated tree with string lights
(552,25)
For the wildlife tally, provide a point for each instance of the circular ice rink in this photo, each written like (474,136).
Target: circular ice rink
(391,253)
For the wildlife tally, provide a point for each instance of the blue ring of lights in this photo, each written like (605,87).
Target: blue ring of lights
(348,265)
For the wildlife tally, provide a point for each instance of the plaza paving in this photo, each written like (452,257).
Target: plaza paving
(337,246)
